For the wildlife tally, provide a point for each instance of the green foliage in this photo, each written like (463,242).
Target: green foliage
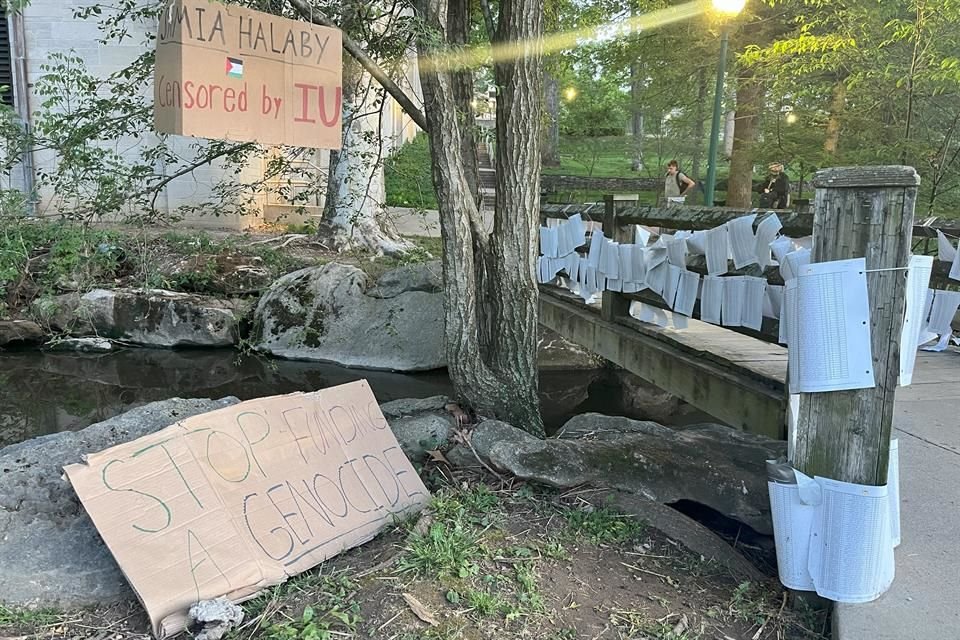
(447,549)
(601,526)
(599,107)
(407,173)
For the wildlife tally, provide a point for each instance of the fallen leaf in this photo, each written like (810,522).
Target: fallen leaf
(419,610)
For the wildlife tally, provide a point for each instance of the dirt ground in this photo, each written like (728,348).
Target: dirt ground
(491,561)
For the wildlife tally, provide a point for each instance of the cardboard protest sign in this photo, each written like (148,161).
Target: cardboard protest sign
(236,500)
(232,73)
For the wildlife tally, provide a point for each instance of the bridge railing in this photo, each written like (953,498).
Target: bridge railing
(618,218)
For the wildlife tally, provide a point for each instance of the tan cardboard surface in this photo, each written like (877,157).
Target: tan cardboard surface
(238,499)
(232,73)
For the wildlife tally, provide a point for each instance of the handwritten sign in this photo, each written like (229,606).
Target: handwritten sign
(232,73)
(239,499)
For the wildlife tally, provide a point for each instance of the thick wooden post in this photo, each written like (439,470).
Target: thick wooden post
(614,305)
(861,212)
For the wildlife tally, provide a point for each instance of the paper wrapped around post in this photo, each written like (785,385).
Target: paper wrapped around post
(236,500)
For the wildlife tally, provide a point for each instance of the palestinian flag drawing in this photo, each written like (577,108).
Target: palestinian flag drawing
(235,67)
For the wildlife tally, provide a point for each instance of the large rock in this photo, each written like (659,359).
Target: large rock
(159,318)
(51,553)
(331,313)
(12,331)
(420,425)
(558,353)
(709,464)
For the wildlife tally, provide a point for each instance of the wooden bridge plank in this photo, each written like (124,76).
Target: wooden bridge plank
(746,394)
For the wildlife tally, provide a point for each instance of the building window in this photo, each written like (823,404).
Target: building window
(6,60)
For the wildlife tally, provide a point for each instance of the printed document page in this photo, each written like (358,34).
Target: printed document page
(711,299)
(743,243)
(767,231)
(732,309)
(717,250)
(830,346)
(918,281)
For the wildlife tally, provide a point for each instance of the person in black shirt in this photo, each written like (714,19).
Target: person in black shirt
(775,190)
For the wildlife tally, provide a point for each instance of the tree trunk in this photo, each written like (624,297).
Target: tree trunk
(699,122)
(458,34)
(356,192)
(490,291)
(750,94)
(550,154)
(636,98)
(838,103)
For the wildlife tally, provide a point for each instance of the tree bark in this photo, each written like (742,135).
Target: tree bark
(636,117)
(550,154)
(490,292)
(750,94)
(699,122)
(458,34)
(356,191)
(838,103)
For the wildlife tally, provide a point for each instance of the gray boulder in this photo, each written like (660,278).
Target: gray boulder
(420,425)
(159,318)
(333,314)
(709,464)
(557,353)
(50,552)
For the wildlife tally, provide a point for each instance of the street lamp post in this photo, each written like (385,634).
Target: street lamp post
(728,8)
(711,185)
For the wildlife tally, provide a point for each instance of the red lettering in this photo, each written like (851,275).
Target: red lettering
(203,97)
(304,102)
(335,118)
(229,100)
(188,90)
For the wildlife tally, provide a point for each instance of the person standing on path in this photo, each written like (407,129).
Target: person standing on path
(676,184)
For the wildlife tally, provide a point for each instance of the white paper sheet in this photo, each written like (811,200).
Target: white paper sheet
(676,251)
(655,255)
(946,252)
(657,278)
(639,269)
(792,525)
(697,243)
(781,247)
(615,284)
(610,259)
(680,321)
(732,310)
(767,230)
(597,241)
(754,292)
(641,236)
(893,490)
(717,250)
(788,319)
(626,262)
(578,231)
(793,262)
(773,301)
(851,551)
(939,345)
(943,310)
(711,299)
(674,273)
(955,267)
(743,242)
(830,343)
(548,242)
(918,283)
(686,297)
(648,313)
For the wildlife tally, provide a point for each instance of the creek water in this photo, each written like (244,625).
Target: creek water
(47,392)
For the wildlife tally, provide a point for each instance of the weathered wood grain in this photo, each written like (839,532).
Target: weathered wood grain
(861,211)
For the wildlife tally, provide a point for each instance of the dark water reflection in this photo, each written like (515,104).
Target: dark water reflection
(43,393)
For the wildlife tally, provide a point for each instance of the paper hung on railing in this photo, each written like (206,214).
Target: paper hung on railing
(827,316)
(914,318)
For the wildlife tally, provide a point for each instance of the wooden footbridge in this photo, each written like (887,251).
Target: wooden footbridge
(734,374)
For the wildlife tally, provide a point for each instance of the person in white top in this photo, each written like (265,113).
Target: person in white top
(676,184)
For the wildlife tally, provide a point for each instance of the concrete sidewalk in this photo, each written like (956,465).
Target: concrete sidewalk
(924,601)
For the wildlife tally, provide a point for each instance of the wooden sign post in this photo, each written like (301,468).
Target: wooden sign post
(861,212)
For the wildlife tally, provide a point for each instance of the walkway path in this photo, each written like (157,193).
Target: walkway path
(924,601)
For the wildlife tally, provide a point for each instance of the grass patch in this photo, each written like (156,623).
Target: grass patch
(601,526)
(18,617)
(408,178)
(447,549)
